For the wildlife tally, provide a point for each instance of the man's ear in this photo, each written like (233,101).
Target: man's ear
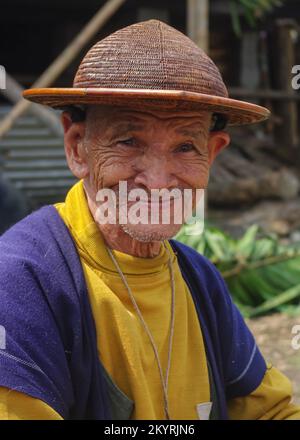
(75,152)
(216,142)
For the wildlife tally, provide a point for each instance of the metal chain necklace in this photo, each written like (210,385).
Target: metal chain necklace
(164,380)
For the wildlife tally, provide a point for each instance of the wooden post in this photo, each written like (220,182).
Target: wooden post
(13,93)
(198,22)
(198,31)
(286,132)
(64,59)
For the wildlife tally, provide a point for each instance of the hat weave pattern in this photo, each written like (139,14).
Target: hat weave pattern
(150,65)
(150,55)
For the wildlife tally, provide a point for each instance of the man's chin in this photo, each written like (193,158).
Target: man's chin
(150,233)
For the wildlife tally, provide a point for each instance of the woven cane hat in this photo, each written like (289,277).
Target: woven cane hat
(150,65)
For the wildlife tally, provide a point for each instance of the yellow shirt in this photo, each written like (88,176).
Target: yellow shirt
(124,347)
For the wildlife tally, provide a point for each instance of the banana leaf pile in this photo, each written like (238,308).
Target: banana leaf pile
(262,274)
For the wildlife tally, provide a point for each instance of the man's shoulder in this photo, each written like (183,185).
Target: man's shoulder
(34,235)
(31,225)
(39,252)
(40,269)
(39,310)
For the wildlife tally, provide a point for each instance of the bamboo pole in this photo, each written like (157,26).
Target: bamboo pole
(64,59)
(13,93)
(284,57)
(198,31)
(198,22)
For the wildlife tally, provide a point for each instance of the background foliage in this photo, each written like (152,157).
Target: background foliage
(262,274)
(252,10)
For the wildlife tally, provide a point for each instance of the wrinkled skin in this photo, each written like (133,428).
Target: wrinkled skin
(149,150)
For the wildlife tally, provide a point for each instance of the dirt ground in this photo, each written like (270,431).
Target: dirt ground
(274,336)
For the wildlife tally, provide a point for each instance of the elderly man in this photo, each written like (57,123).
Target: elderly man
(109,320)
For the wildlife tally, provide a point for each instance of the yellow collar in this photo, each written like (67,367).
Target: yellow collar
(90,243)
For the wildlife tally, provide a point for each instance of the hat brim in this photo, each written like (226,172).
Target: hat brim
(237,112)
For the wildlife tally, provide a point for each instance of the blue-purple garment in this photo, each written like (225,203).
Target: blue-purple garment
(51,349)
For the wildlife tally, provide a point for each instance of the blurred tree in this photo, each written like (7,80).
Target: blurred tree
(252,10)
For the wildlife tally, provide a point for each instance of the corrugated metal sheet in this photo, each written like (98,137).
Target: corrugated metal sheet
(33,160)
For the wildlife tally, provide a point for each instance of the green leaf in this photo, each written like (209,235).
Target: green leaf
(263,248)
(235,19)
(253,10)
(246,244)
(283,298)
(256,270)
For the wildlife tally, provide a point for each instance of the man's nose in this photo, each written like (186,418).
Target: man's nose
(156,172)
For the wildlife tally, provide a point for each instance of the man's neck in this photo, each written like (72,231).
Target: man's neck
(119,240)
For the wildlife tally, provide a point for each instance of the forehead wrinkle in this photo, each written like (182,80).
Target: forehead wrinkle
(144,116)
(158,114)
(189,133)
(132,120)
(126,126)
(192,133)
(169,123)
(106,111)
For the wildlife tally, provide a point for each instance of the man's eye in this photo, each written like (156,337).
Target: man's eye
(129,141)
(185,148)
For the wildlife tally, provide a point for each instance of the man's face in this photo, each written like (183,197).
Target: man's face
(150,151)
